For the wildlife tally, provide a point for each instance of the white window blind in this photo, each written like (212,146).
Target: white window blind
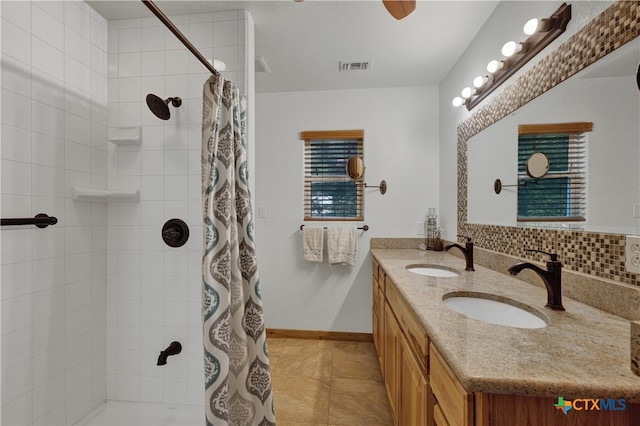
(329,194)
(561,194)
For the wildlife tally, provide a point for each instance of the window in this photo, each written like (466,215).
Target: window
(329,194)
(560,195)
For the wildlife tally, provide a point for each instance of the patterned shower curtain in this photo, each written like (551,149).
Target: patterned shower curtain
(237,374)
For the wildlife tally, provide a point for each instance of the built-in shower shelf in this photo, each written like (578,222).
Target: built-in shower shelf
(105,196)
(125,136)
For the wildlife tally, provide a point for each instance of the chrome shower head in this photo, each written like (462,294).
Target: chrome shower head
(160,107)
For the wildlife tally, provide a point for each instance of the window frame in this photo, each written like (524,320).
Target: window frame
(576,144)
(331,135)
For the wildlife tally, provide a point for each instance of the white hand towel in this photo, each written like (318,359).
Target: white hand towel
(313,243)
(341,245)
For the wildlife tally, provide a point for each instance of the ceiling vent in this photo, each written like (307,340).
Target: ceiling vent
(261,65)
(353,66)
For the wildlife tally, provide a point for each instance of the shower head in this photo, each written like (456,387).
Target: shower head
(160,107)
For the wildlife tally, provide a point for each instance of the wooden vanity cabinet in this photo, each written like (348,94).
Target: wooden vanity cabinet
(378,312)
(403,352)
(452,403)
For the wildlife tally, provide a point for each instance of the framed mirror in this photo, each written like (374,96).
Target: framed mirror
(591,44)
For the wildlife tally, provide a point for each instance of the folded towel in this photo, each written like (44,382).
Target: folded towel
(313,243)
(341,245)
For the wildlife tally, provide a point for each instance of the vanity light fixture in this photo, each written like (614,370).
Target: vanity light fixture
(540,32)
(467,92)
(510,48)
(457,101)
(480,81)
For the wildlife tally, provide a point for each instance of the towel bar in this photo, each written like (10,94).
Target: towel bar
(363,227)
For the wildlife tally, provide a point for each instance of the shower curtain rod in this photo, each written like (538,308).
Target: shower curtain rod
(170,25)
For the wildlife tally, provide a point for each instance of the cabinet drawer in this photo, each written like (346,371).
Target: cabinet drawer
(452,398)
(416,335)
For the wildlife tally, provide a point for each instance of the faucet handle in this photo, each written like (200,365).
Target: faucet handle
(464,236)
(552,256)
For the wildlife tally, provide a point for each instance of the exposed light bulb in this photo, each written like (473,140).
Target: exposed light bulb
(480,81)
(531,27)
(467,92)
(510,48)
(494,66)
(457,101)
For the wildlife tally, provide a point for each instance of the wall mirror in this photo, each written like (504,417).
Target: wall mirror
(355,168)
(604,93)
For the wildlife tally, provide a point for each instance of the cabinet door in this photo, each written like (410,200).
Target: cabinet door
(414,390)
(392,350)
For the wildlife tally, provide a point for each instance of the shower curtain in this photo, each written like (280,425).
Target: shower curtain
(237,374)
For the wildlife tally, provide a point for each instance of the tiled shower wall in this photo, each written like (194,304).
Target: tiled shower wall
(153,290)
(54,137)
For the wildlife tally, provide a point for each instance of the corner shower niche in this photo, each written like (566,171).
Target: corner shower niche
(125,136)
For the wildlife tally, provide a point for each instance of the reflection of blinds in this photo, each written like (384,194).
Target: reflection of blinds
(329,194)
(561,194)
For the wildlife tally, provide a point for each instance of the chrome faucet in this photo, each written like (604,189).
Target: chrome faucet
(552,278)
(467,250)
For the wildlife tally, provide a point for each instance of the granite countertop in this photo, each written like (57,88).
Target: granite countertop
(582,353)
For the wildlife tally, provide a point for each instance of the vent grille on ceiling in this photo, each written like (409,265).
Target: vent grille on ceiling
(353,66)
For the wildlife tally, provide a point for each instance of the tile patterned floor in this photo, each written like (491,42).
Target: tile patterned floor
(322,382)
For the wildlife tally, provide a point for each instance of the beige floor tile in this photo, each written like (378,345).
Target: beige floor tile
(300,400)
(358,402)
(304,358)
(355,360)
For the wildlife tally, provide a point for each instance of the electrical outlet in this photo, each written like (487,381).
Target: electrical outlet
(419,228)
(632,253)
(636,210)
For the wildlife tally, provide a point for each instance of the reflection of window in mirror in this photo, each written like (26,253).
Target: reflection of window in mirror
(552,188)
(329,194)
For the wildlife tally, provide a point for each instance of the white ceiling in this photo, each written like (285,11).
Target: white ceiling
(302,42)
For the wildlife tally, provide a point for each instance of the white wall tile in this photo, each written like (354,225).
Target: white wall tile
(55,416)
(77,295)
(47,120)
(16,279)
(48,334)
(77,18)
(78,75)
(152,39)
(152,63)
(47,89)
(77,322)
(99,32)
(18,13)
(48,304)
(127,388)
(151,389)
(16,76)
(129,40)
(16,347)
(19,411)
(16,144)
(16,313)
(47,59)
(78,377)
(129,289)
(16,110)
(77,47)
(78,350)
(176,162)
(225,33)
(129,89)
(16,244)
(16,42)
(48,365)
(175,62)
(79,404)
(201,35)
(53,8)
(175,390)
(48,181)
(48,273)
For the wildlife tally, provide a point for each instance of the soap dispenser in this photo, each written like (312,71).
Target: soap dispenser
(430,229)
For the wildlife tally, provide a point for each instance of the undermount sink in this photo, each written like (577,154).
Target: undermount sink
(432,270)
(495,309)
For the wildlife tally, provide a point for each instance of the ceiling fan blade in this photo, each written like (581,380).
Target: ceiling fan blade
(399,8)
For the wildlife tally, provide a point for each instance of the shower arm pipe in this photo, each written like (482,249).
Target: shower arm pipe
(170,25)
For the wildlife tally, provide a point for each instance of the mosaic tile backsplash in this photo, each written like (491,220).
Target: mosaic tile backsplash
(597,254)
